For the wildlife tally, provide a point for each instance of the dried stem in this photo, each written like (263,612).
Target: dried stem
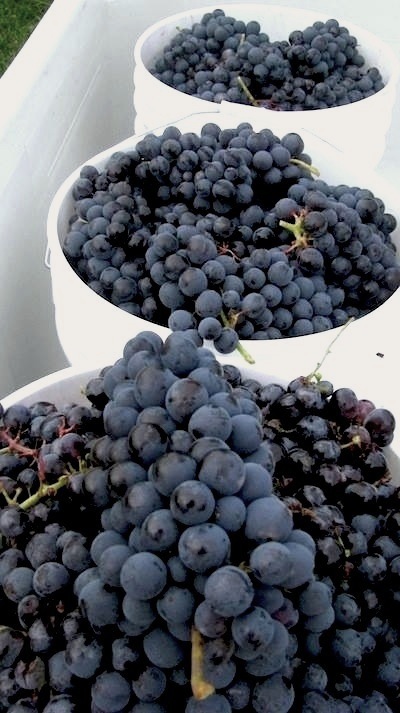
(200,687)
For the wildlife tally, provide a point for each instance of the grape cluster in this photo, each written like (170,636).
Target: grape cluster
(332,472)
(166,544)
(229,235)
(221,58)
(146,557)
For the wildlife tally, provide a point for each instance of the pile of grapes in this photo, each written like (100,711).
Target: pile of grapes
(229,233)
(190,539)
(221,58)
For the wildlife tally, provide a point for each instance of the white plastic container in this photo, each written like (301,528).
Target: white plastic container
(91,330)
(67,386)
(359,127)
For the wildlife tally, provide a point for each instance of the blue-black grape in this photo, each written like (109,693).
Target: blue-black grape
(111,692)
(143,575)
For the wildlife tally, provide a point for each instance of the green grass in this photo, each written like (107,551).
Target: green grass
(18,19)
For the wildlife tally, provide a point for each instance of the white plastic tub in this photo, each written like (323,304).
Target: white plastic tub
(91,330)
(360,127)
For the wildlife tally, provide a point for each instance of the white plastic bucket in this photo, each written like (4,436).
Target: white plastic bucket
(67,386)
(91,330)
(360,127)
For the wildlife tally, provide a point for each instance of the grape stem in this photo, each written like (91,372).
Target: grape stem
(239,347)
(44,490)
(247,91)
(301,239)
(200,687)
(15,446)
(315,373)
(307,166)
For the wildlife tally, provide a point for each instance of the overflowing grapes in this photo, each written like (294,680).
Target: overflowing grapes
(192,539)
(221,58)
(229,235)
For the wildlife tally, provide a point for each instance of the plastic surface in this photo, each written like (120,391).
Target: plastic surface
(345,126)
(92,330)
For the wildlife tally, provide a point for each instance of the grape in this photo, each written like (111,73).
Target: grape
(253,630)
(209,420)
(158,531)
(18,583)
(143,575)
(223,471)
(12,522)
(162,649)
(110,563)
(41,548)
(102,541)
(230,512)
(257,484)
(271,563)
(98,604)
(62,703)
(381,424)
(111,692)
(276,688)
(83,656)
(176,605)
(229,591)
(315,599)
(141,500)
(208,622)
(192,502)
(202,547)
(268,518)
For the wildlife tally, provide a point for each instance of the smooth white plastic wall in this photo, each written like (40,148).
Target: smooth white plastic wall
(66,96)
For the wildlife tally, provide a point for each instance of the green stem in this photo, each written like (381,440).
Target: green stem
(246,90)
(43,492)
(307,166)
(9,501)
(301,239)
(315,373)
(240,348)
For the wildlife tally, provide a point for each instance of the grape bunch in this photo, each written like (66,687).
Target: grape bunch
(169,544)
(145,557)
(331,471)
(229,235)
(221,58)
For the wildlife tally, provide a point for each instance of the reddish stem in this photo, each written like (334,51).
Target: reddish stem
(14,445)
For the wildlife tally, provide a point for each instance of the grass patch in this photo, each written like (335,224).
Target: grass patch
(18,19)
